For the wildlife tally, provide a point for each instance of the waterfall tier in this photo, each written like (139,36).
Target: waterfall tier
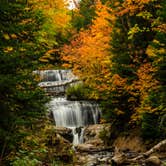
(56,81)
(74,113)
(55,75)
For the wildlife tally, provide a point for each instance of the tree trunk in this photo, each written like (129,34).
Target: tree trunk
(152,150)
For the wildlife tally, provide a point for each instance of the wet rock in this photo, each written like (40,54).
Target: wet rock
(78,130)
(106,160)
(96,159)
(153,161)
(90,148)
(91,161)
(84,147)
(118,159)
(95,142)
(64,132)
(93,132)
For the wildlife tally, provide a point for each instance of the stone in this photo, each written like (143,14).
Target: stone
(153,161)
(90,148)
(118,159)
(92,132)
(64,132)
(96,142)
(84,147)
(104,159)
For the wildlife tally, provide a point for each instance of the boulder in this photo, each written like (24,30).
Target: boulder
(118,159)
(84,147)
(153,161)
(95,142)
(90,148)
(64,132)
(93,132)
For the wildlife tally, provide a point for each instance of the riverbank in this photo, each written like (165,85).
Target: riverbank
(126,149)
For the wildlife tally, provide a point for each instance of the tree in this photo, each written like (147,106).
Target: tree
(54,31)
(83,17)
(22,102)
(88,53)
(121,57)
(135,28)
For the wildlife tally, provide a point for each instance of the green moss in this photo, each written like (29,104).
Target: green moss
(78,92)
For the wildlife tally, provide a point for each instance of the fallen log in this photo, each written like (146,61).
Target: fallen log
(121,158)
(152,150)
(156,148)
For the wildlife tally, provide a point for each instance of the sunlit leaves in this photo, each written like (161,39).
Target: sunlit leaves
(57,14)
(54,30)
(6,36)
(121,55)
(8,49)
(88,53)
(145,14)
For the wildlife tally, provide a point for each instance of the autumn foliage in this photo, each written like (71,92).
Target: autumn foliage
(116,48)
(119,57)
(88,53)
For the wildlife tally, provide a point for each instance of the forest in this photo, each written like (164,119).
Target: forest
(115,47)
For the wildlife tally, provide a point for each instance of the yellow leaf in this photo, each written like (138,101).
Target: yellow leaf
(13,36)
(22,49)
(43,60)
(8,49)
(6,36)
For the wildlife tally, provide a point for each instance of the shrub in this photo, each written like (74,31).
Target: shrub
(78,92)
(26,161)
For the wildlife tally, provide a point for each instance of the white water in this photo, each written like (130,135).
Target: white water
(74,113)
(78,136)
(71,114)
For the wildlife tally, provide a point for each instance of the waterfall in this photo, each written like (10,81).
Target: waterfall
(70,114)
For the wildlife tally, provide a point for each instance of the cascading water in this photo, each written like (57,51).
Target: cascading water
(70,114)
(74,115)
